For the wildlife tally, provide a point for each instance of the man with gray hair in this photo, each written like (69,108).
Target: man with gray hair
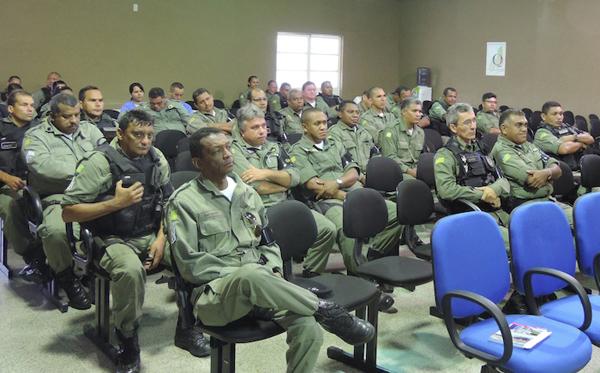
(464,173)
(264,166)
(403,141)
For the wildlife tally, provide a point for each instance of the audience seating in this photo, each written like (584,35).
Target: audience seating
(426,106)
(586,215)
(114,114)
(383,174)
(594,127)
(166,141)
(581,123)
(183,162)
(4,267)
(218,104)
(178,178)
(470,278)
(569,118)
(433,140)
(590,171)
(487,142)
(565,186)
(527,112)
(536,119)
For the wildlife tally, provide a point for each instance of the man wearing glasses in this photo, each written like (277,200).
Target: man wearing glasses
(487,118)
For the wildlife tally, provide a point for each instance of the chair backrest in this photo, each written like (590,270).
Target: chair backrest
(365,213)
(581,123)
(183,145)
(293,227)
(468,254)
(595,127)
(426,106)
(527,112)
(179,178)
(219,104)
(590,170)
(32,206)
(433,140)
(487,142)
(586,215)
(192,104)
(114,114)
(293,138)
(503,108)
(166,141)
(414,202)
(565,183)
(569,118)
(183,162)
(383,174)
(536,119)
(425,170)
(540,236)
(593,117)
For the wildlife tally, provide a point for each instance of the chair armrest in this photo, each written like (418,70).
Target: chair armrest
(496,314)
(570,280)
(469,204)
(597,270)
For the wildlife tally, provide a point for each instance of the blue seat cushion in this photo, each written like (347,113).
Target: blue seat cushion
(567,349)
(568,310)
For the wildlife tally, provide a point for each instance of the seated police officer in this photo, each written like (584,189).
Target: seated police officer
(559,140)
(377,118)
(92,109)
(117,193)
(167,114)
(215,226)
(327,173)
(462,171)
(52,150)
(207,115)
(264,166)
(13,176)
(291,122)
(487,117)
(274,119)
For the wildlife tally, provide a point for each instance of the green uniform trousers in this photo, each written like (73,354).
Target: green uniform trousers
(318,254)
(15,225)
(123,262)
(230,298)
(383,242)
(502,219)
(53,234)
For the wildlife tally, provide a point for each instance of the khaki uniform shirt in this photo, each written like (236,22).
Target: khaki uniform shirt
(376,122)
(486,121)
(438,110)
(292,122)
(322,105)
(546,141)
(172,117)
(200,120)
(274,101)
(515,160)
(52,156)
(357,141)
(396,143)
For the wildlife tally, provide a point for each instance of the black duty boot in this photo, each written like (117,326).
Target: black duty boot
(335,319)
(36,270)
(128,360)
(78,298)
(192,340)
(386,304)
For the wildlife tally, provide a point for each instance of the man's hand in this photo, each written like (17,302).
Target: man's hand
(490,196)
(15,183)
(155,254)
(125,197)
(412,172)
(330,188)
(538,178)
(254,174)
(362,179)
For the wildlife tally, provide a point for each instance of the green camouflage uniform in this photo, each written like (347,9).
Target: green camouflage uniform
(396,143)
(172,117)
(487,121)
(376,122)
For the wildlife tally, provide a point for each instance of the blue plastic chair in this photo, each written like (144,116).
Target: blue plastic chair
(471,275)
(586,216)
(543,262)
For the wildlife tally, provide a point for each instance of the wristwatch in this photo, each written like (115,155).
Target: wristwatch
(339,182)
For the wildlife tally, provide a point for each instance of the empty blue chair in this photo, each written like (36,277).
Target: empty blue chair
(586,215)
(471,276)
(543,262)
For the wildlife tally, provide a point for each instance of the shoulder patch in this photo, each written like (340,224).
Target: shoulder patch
(388,134)
(440,160)
(543,135)
(26,142)
(79,168)
(293,159)
(173,215)
(505,157)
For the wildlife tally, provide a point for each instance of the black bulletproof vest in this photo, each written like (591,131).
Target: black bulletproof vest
(11,139)
(571,159)
(141,218)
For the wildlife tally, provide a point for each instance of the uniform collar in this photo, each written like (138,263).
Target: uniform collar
(507,142)
(208,185)
(464,146)
(308,145)
(56,132)
(346,127)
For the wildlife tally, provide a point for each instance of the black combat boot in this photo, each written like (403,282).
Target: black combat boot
(192,340)
(36,270)
(128,360)
(335,319)
(78,298)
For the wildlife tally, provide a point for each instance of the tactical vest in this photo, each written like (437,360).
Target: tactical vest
(274,131)
(143,217)
(11,159)
(570,159)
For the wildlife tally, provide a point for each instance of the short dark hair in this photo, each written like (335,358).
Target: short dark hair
(271,81)
(13,77)
(400,89)
(285,84)
(84,90)
(13,87)
(198,92)
(11,100)
(548,105)
(135,84)
(176,85)
(196,147)
(136,117)
(252,77)
(448,90)
(346,103)
(308,113)
(306,84)
(156,92)
(488,95)
(62,99)
(57,84)
(371,91)
(63,88)
(509,113)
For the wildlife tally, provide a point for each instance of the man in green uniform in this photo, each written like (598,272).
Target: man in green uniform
(215,229)
(43,95)
(274,119)
(253,82)
(327,173)
(52,151)
(273,96)
(263,165)
(528,169)
(400,94)
(327,95)
(355,138)
(311,100)
(13,176)
(404,140)
(291,122)
(376,119)
(487,117)
(117,192)
(207,115)
(463,172)
(92,110)
(284,90)
(167,114)
(560,140)
(364,104)
(177,94)
(440,106)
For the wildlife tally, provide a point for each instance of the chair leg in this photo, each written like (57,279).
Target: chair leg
(100,333)
(50,290)
(4,267)
(222,356)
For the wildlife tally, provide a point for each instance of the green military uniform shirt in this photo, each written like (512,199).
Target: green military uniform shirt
(376,122)
(243,97)
(274,101)
(211,236)
(447,171)
(292,121)
(515,160)
(546,141)
(396,143)
(200,120)
(245,156)
(52,156)
(322,105)
(357,141)
(486,121)
(172,117)
(438,110)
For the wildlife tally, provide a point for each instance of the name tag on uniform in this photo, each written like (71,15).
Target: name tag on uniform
(563,131)
(7,145)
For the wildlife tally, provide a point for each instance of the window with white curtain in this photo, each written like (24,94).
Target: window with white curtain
(314,57)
